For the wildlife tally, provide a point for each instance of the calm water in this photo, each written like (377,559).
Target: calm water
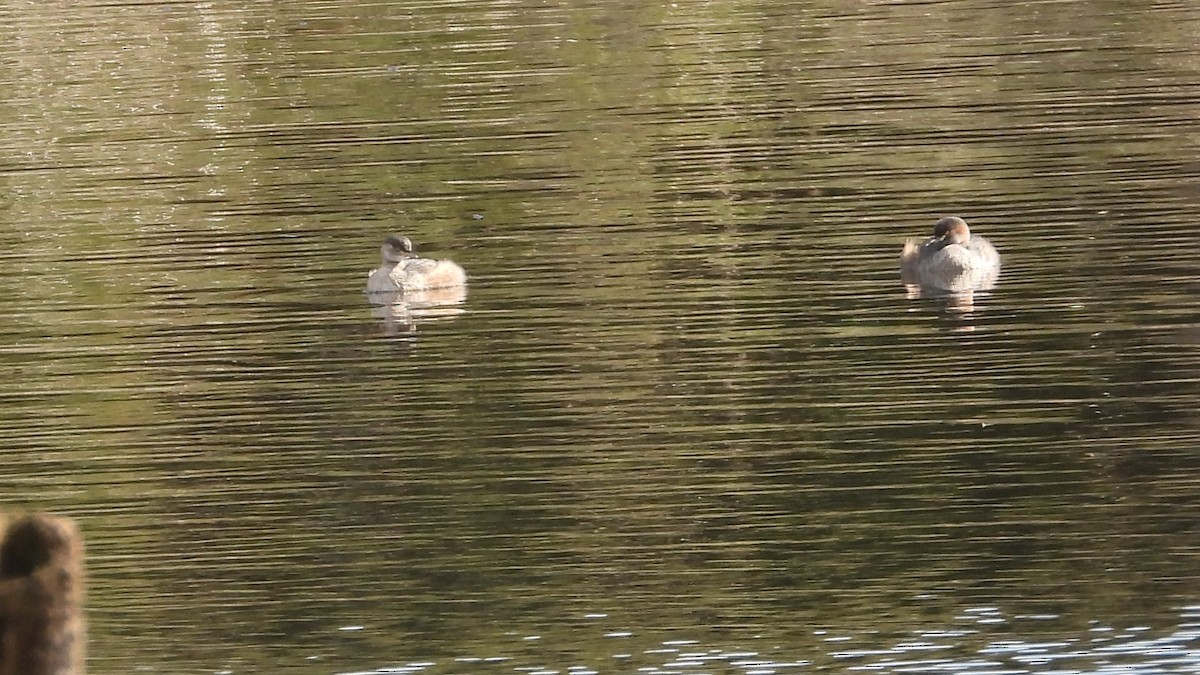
(687,419)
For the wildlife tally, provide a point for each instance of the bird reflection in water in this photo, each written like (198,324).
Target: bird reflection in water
(401,311)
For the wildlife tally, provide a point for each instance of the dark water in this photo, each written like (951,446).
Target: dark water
(687,419)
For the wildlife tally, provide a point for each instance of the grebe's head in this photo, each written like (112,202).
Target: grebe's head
(396,248)
(952,230)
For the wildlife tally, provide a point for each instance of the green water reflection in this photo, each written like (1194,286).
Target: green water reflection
(687,398)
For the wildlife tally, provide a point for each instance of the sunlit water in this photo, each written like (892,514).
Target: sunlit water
(686,418)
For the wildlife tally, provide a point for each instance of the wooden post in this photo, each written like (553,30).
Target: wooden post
(41,597)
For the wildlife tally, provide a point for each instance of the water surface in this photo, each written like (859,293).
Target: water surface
(687,419)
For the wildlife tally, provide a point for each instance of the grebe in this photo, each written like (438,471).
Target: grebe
(402,270)
(952,259)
